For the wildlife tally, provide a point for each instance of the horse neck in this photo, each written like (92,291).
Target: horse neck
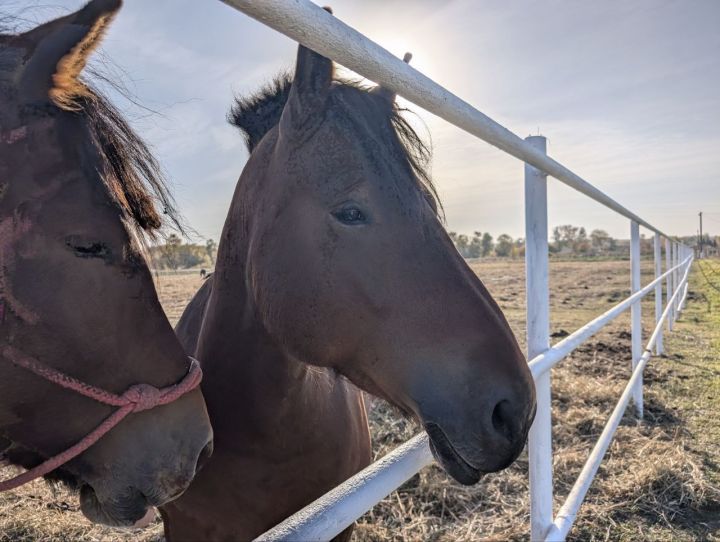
(246,371)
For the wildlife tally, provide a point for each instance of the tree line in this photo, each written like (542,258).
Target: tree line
(566,239)
(174,254)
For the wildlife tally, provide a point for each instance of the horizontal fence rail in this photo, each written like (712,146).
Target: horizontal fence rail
(548,359)
(325,518)
(307,23)
(568,511)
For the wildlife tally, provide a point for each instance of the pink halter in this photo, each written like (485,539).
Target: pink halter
(135,399)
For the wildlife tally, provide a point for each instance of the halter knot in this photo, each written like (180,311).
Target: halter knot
(135,399)
(142,396)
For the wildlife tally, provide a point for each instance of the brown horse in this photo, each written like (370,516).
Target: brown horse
(333,268)
(77,189)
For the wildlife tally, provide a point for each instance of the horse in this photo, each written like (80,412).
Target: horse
(334,271)
(84,342)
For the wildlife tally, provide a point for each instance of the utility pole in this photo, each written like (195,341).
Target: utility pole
(701,237)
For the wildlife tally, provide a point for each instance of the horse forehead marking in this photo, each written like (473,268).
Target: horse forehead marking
(11,230)
(20,133)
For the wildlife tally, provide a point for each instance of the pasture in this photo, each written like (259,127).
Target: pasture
(659,481)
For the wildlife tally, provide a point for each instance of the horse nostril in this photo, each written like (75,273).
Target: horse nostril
(504,422)
(205,454)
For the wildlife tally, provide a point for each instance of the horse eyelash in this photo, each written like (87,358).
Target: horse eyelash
(90,250)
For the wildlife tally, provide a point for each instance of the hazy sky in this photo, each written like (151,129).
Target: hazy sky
(627,93)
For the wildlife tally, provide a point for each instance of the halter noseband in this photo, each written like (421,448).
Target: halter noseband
(135,399)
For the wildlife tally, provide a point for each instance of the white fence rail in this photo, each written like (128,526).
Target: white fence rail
(310,25)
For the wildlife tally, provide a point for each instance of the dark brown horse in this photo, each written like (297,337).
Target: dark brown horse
(77,189)
(333,270)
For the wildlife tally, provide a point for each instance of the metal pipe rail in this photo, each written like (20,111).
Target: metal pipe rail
(335,511)
(568,512)
(548,359)
(310,25)
(307,23)
(332,513)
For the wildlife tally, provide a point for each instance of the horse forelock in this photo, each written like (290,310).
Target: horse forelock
(255,115)
(129,170)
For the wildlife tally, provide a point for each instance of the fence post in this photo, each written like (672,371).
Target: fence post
(658,293)
(683,299)
(635,314)
(538,340)
(669,280)
(676,278)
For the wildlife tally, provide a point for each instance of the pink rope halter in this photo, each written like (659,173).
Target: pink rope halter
(135,399)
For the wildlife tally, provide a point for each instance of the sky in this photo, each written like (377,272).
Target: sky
(627,93)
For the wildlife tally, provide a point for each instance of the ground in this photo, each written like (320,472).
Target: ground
(659,481)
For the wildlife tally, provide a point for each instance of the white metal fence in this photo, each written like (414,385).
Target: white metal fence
(310,25)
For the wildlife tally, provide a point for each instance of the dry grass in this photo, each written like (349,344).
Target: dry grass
(659,480)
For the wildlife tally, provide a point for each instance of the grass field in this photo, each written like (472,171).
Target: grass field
(659,481)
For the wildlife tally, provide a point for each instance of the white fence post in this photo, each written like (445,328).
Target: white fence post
(686,253)
(635,314)
(669,286)
(675,260)
(658,292)
(538,341)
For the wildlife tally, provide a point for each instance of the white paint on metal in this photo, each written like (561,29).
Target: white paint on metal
(332,513)
(568,512)
(317,521)
(544,362)
(675,279)
(315,28)
(657,258)
(669,265)
(310,25)
(538,342)
(635,315)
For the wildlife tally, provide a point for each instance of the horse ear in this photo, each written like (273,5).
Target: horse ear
(310,88)
(386,93)
(59,49)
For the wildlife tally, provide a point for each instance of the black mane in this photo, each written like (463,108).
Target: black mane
(257,114)
(131,172)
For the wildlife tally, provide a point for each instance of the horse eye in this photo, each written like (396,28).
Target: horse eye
(88,249)
(350,215)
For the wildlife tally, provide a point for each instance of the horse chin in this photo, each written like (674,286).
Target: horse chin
(453,463)
(124,512)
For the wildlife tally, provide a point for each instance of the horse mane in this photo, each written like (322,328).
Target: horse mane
(255,115)
(129,170)
(131,173)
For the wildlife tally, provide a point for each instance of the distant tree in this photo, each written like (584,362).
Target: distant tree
(581,245)
(487,244)
(462,243)
(170,251)
(475,247)
(210,248)
(504,246)
(565,235)
(191,256)
(600,240)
